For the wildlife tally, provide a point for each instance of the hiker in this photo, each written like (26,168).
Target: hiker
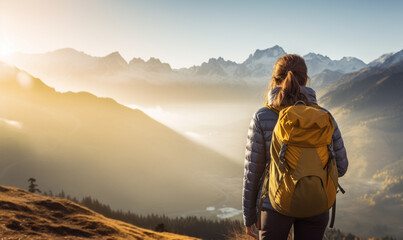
(287,88)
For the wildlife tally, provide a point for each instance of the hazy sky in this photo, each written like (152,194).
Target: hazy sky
(188,32)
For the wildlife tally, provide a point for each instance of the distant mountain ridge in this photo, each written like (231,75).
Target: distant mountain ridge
(216,80)
(316,63)
(326,78)
(387,59)
(379,86)
(257,65)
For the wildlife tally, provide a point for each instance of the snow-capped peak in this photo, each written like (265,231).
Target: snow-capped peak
(274,52)
(348,59)
(387,59)
(381,59)
(315,56)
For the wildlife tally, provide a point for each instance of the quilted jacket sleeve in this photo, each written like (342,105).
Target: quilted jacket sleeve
(254,167)
(340,150)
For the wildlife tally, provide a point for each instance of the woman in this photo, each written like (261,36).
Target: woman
(288,85)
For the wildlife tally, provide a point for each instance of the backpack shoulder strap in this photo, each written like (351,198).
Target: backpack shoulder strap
(334,207)
(333,215)
(273,109)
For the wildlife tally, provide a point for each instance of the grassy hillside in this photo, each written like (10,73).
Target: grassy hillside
(28,215)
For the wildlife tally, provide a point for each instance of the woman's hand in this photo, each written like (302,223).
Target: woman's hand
(250,232)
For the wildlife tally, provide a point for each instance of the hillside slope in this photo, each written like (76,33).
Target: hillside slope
(33,216)
(368,107)
(96,146)
(371,87)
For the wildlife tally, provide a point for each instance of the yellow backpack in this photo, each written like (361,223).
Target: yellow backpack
(301,179)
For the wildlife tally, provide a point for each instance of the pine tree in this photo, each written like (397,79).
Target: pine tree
(33,186)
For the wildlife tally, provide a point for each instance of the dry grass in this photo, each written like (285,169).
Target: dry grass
(25,215)
(238,234)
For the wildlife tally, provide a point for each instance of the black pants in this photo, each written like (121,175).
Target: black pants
(276,226)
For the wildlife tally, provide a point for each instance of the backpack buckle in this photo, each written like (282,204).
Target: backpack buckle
(331,151)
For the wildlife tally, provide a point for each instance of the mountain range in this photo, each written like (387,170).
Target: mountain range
(326,78)
(215,80)
(260,64)
(372,90)
(257,65)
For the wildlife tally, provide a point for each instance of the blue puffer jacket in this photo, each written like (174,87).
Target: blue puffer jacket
(257,155)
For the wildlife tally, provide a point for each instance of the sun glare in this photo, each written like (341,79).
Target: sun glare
(5,50)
